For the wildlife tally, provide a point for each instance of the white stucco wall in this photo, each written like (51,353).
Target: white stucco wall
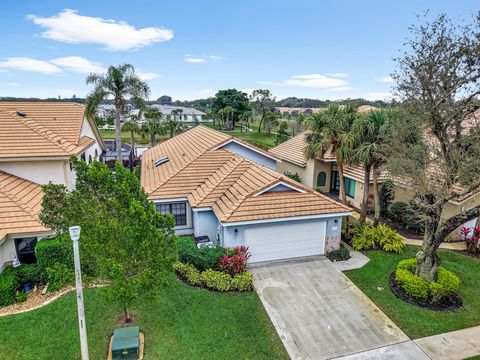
(40,172)
(8,250)
(205,223)
(88,131)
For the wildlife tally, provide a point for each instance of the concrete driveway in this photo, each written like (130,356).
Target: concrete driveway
(318,312)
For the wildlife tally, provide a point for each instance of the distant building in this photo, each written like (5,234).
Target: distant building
(283,110)
(187,115)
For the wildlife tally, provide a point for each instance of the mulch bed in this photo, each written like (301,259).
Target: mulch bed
(448,303)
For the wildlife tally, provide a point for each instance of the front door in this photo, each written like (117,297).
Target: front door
(335,182)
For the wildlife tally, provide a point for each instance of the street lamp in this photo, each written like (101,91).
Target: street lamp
(75,235)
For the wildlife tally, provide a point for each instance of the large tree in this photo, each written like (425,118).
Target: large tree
(120,82)
(234,98)
(438,82)
(132,243)
(153,126)
(331,130)
(264,101)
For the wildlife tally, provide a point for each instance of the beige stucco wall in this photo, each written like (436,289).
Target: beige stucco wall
(40,172)
(284,166)
(357,200)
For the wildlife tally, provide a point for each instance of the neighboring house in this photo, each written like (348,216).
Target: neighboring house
(322,174)
(218,187)
(36,142)
(111,152)
(283,110)
(187,115)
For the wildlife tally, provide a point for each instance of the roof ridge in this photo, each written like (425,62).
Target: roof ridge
(239,160)
(47,134)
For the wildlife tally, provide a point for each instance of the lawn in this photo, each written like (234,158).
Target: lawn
(414,321)
(180,322)
(262,139)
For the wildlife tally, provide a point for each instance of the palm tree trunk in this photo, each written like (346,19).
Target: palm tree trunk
(118,131)
(343,196)
(153,140)
(366,188)
(376,171)
(132,134)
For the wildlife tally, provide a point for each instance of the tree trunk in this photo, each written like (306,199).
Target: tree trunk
(118,131)
(127,315)
(376,171)
(427,258)
(343,195)
(172,131)
(261,122)
(153,140)
(132,134)
(366,188)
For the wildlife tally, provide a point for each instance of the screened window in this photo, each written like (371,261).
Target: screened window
(178,210)
(26,250)
(350,187)
(321,179)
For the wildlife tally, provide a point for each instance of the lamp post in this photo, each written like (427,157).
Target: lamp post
(75,235)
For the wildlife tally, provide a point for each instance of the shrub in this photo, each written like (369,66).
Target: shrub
(446,283)
(412,284)
(341,254)
(293,176)
(52,251)
(236,263)
(388,239)
(407,216)
(188,272)
(31,273)
(59,275)
(9,283)
(216,280)
(364,240)
(242,282)
(203,258)
(408,264)
(386,196)
(21,297)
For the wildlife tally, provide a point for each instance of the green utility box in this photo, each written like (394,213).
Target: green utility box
(126,343)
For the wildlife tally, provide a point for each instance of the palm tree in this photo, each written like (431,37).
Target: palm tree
(120,82)
(332,128)
(133,127)
(172,125)
(153,126)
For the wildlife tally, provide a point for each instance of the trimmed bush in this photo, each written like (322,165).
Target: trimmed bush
(216,280)
(341,254)
(412,284)
(52,251)
(408,264)
(243,282)
(9,283)
(31,273)
(446,283)
(188,272)
(59,275)
(203,258)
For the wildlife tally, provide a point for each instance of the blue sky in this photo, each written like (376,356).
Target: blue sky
(190,49)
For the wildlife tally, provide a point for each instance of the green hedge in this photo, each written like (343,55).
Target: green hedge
(31,273)
(9,284)
(412,284)
(203,258)
(214,280)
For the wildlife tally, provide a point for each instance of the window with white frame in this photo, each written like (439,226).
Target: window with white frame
(178,210)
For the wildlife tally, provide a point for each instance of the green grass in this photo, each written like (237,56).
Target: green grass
(180,322)
(414,321)
(262,139)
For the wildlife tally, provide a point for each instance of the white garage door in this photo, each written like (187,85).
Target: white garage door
(285,240)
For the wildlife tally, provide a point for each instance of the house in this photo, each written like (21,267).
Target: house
(322,174)
(37,140)
(187,114)
(110,154)
(219,187)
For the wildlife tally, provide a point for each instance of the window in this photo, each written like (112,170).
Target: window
(83,157)
(89,159)
(26,250)
(321,179)
(96,154)
(178,210)
(350,187)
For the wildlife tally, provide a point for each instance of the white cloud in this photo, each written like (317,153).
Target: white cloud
(384,79)
(372,96)
(13,84)
(70,27)
(197,59)
(317,81)
(29,64)
(78,64)
(147,75)
(338,75)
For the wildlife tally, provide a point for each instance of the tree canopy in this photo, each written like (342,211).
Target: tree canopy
(234,98)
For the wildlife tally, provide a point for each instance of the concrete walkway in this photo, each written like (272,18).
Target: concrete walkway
(458,246)
(318,312)
(356,261)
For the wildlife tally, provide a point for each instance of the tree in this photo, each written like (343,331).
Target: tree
(153,126)
(131,242)
(133,127)
(386,196)
(271,121)
(226,114)
(282,134)
(332,130)
(437,81)
(120,82)
(164,100)
(265,102)
(237,100)
(172,124)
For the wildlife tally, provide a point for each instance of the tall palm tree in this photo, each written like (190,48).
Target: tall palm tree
(153,126)
(133,127)
(172,125)
(332,128)
(120,82)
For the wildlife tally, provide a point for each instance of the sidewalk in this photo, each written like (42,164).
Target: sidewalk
(356,261)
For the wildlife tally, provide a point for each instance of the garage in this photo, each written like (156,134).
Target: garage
(283,240)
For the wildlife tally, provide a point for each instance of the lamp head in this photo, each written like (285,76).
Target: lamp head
(74,232)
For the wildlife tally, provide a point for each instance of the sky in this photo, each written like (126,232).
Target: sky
(191,49)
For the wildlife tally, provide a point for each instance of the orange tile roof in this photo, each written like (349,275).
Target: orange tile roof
(20,203)
(47,130)
(224,181)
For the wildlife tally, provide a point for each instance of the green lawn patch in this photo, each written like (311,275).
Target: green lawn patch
(414,321)
(262,139)
(180,322)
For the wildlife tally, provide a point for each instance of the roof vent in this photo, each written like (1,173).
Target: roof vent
(21,113)
(161,161)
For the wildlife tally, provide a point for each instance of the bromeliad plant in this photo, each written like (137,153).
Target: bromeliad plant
(235,263)
(471,242)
